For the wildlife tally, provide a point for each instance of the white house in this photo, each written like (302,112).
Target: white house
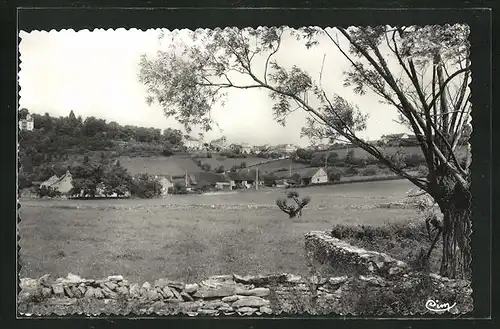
(246,148)
(220,143)
(394,138)
(193,144)
(62,184)
(27,124)
(290,148)
(310,176)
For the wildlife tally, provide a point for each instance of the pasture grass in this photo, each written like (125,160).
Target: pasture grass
(170,238)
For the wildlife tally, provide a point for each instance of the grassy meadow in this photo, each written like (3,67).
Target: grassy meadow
(191,237)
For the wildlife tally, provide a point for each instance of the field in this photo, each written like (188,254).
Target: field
(280,164)
(390,150)
(217,160)
(174,165)
(191,237)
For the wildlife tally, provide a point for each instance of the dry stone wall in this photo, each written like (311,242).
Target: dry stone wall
(338,253)
(222,294)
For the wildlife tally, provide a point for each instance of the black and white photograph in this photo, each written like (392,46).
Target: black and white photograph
(262,171)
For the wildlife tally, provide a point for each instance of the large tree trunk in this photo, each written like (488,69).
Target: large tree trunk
(456,258)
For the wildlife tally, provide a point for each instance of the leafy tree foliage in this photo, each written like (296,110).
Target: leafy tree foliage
(146,186)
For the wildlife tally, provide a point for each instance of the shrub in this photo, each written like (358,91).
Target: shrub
(145,186)
(45,191)
(351,171)
(231,154)
(369,172)
(206,167)
(178,188)
(243,164)
(371,160)
(414,159)
(167,152)
(334,176)
(422,170)
(24,181)
(219,169)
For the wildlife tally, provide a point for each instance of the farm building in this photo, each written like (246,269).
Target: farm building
(27,124)
(219,144)
(62,184)
(397,139)
(193,144)
(316,175)
(49,182)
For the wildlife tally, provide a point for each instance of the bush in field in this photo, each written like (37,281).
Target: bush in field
(351,170)
(167,152)
(24,181)
(219,169)
(349,158)
(45,191)
(422,170)
(371,160)
(145,186)
(292,205)
(231,154)
(178,188)
(369,172)
(269,179)
(334,176)
(414,159)
(206,167)
(243,164)
(117,180)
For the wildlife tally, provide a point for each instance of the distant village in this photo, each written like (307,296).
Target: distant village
(228,179)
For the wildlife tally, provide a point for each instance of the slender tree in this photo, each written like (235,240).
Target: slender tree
(422,72)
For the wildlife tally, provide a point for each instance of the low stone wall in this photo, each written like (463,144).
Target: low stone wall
(223,294)
(338,253)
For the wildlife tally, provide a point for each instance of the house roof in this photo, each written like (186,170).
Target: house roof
(395,135)
(51,181)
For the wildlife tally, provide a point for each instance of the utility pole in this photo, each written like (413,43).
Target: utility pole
(257,178)
(290,171)
(186,178)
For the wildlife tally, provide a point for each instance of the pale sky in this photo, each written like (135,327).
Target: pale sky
(94,73)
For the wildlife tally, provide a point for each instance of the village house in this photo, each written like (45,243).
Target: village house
(284,149)
(62,184)
(397,139)
(308,176)
(193,144)
(219,144)
(246,148)
(27,124)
